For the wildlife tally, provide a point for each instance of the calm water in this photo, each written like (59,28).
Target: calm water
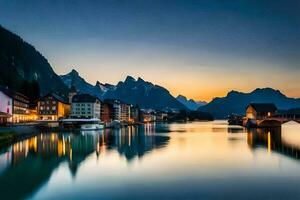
(204,160)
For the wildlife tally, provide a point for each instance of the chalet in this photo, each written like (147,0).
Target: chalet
(85,106)
(52,107)
(260,110)
(14,106)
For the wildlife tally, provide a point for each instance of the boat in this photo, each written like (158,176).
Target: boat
(82,124)
(114,124)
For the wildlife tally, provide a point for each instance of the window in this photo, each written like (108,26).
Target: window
(53,107)
(42,108)
(47,108)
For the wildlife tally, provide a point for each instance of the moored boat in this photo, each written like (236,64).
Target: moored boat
(82,124)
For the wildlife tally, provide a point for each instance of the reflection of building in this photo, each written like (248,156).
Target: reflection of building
(260,110)
(85,106)
(36,158)
(52,107)
(271,139)
(14,104)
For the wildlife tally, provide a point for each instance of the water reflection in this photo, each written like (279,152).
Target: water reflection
(27,165)
(273,140)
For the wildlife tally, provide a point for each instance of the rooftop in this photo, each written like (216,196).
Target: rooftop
(84,98)
(263,107)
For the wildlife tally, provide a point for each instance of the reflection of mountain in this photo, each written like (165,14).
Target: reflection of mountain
(272,140)
(31,162)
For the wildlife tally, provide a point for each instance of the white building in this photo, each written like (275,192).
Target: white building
(85,106)
(5,108)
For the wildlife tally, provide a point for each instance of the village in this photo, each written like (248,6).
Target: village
(79,108)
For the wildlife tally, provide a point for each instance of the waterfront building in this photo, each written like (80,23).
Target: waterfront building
(14,106)
(260,110)
(135,113)
(5,108)
(52,107)
(148,116)
(107,111)
(116,108)
(85,106)
(125,112)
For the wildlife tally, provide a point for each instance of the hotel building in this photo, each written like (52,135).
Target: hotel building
(52,107)
(85,106)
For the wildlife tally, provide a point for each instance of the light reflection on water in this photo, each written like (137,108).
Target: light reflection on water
(207,160)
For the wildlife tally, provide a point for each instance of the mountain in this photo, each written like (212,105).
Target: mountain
(190,103)
(22,66)
(145,94)
(73,78)
(236,102)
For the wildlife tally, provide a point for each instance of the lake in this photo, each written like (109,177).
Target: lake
(200,160)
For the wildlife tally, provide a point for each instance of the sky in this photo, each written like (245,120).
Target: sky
(201,49)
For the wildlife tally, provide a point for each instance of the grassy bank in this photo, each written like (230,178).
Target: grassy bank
(11,134)
(7,137)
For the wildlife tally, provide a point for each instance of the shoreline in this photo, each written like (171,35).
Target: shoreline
(16,132)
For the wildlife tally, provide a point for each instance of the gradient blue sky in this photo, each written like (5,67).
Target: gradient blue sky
(200,49)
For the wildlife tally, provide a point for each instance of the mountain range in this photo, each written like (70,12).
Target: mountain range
(137,92)
(21,64)
(26,70)
(236,102)
(190,103)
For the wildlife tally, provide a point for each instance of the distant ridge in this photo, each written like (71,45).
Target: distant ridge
(236,102)
(190,103)
(140,92)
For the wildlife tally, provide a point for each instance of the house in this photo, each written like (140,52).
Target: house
(14,106)
(52,107)
(260,110)
(85,106)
